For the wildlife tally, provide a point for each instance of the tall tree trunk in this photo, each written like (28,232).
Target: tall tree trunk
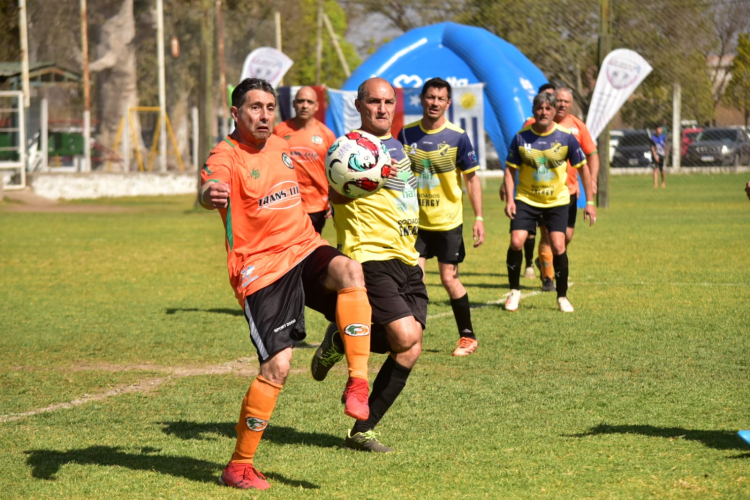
(117,81)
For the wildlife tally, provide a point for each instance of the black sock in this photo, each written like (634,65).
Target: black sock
(528,249)
(462,313)
(388,385)
(514,261)
(560,264)
(379,340)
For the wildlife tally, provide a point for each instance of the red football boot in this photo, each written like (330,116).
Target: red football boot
(355,398)
(244,477)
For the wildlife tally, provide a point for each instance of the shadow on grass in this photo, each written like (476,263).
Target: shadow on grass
(231,312)
(462,273)
(718,440)
(45,464)
(274,433)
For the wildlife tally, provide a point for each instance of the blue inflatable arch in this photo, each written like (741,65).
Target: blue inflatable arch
(462,55)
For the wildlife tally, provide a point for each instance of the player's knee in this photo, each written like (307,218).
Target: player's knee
(350,273)
(516,243)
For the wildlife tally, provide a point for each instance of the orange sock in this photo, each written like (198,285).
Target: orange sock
(545,259)
(257,407)
(354,317)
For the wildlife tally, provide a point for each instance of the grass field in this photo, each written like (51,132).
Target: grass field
(124,358)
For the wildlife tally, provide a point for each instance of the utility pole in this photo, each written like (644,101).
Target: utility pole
(676,125)
(222,72)
(319,47)
(162,86)
(205,142)
(86,87)
(277,25)
(23,32)
(605,47)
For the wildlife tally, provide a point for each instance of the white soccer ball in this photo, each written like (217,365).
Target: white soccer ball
(357,164)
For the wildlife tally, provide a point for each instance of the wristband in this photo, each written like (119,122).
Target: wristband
(479,217)
(590,203)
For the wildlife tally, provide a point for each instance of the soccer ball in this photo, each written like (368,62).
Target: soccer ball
(357,164)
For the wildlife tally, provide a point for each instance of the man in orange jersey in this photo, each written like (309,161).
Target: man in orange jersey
(581,132)
(380,231)
(309,141)
(277,265)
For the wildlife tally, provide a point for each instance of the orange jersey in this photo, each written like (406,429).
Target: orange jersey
(581,133)
(267,231)
(308,150)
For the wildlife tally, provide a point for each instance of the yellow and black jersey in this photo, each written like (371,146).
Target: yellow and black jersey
(438,158)
(384,225)
(542,163)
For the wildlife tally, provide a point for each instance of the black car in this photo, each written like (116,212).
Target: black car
(633,149)
(719,146)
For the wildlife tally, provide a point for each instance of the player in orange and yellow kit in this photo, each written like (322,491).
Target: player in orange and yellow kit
(277,265)
(309,140)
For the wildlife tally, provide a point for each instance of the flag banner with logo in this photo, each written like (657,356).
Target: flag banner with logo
(267,63)
(621,73)
(286,97)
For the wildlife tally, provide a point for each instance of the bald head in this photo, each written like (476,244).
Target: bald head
(376,103)
(305,105)
(564,101)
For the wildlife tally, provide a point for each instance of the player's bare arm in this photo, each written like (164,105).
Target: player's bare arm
(214,195)
(509,183)
(589,213)
(593,163)
(474,189)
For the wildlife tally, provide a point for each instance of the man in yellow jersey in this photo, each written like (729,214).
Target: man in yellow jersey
(563,117)
(309,140)
(441,156)
(540,152)
(277,265)
(379,231)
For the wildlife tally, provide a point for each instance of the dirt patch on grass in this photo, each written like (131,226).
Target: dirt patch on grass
(26,201)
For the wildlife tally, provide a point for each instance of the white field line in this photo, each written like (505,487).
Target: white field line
(147,385)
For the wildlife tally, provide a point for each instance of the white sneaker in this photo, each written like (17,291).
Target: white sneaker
(529,274)
(564,304)
(511,303)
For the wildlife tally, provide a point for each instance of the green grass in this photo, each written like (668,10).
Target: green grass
(638,394)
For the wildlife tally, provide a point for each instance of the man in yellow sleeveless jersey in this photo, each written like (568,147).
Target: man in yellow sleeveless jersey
(441,156)
(380,231)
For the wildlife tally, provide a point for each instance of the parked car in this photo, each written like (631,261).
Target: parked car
(719,146)
(688,137)
(633,149)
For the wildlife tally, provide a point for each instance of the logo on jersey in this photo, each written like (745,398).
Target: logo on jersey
(316,139)
(247,276)
(287,137)
(287,161)
(357,330)
(472,156)
(443,148)
(304,154)
(256,424)
(556,147)
(574,131)
(281,196)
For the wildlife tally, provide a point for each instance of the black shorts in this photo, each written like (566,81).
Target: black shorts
(527,216)
(276,313)
(318,220)
(659,164)
(447,246)
(573,210)
(395,290)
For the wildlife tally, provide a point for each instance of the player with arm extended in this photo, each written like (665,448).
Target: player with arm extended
(540,152)
(441,156)
(277,264)
(309,140)
(380,231)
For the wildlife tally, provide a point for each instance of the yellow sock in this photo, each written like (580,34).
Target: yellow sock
(256,411)
(354,319)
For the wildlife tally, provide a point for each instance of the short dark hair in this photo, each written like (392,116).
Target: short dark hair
(361,90)
(436,83)
(544,98)
(545,87)
(248,84)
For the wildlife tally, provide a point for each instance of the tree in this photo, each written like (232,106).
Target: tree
(738,89)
